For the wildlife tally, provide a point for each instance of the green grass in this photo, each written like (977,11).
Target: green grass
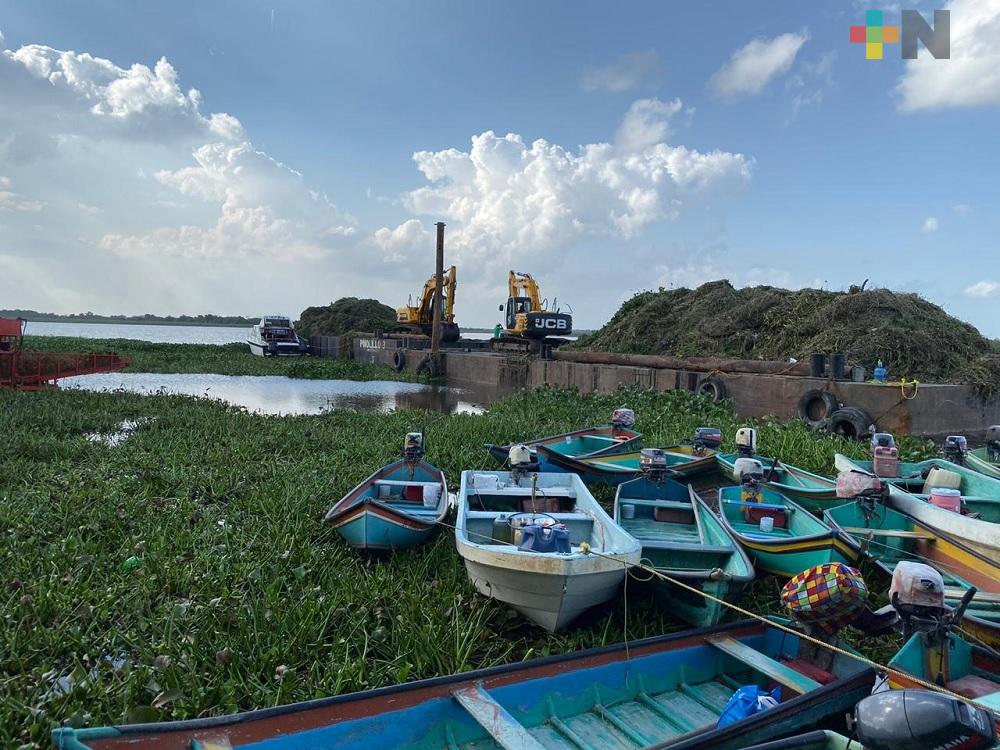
(226,359)
(242,597)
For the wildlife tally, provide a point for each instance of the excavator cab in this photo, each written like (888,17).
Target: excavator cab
(527,316)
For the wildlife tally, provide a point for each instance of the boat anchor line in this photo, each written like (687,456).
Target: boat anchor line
(587,550)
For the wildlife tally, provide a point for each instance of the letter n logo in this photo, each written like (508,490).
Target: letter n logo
(937,40)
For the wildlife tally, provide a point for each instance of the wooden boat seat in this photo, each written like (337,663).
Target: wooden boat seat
(507,731)
(780,673)
(889,532)
(760,506)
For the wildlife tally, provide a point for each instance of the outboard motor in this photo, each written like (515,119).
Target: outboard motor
(955,448)
(413,446)
(746,441)
(622,419)
(921,720)
(521,461)
(885,455)
(917,594)
(653,463)
(993,443)
(706,438)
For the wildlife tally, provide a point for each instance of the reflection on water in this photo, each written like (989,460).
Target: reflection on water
(285,396)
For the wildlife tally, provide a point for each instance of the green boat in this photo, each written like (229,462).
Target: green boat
(798,540)
(591,441)
(820,740)
(684,460)
(984,462)
(809,490)
(681,538)
(888,537)
(977,524)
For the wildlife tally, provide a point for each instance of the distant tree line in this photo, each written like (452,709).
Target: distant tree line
(91,317)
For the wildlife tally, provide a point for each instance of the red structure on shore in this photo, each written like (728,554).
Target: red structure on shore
(32,370)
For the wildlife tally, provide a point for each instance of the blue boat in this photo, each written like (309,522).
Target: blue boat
(667,691)
(400,505)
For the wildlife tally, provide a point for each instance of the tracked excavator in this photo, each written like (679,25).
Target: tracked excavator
(419,319)
(528,322)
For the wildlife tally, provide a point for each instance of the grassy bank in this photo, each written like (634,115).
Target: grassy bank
(240,597)
(226,359)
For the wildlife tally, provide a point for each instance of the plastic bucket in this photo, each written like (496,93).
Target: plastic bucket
(946,498)
(817,364)
(767,524)
(838,366)
(628,511)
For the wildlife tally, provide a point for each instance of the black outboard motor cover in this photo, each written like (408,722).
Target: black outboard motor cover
(955,448)
(921,720)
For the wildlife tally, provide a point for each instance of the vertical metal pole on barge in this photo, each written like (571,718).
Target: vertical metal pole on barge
(438,302)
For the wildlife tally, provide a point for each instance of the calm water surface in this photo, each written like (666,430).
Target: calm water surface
(273,394)
(156,334)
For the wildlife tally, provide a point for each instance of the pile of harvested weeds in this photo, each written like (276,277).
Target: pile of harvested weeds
(915,338)
(346,315)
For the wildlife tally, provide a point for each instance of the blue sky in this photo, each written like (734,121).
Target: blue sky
(682,142)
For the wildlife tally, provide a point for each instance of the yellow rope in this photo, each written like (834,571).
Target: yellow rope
(902,388)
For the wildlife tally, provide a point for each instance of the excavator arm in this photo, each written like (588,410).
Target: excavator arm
(522,285)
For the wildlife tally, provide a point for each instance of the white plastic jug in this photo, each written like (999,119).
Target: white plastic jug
(432,494)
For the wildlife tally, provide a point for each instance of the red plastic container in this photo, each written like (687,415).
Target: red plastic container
(947,498)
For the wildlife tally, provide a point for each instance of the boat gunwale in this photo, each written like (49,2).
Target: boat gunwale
(580,465)
(490,677)
(352,500)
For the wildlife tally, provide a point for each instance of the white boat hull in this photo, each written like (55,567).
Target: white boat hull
(287,350)
(550,598)
(982,536)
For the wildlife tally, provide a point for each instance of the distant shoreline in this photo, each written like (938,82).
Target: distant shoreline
(111,320)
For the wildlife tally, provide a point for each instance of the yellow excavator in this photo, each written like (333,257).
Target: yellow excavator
(527,315)
(418,319)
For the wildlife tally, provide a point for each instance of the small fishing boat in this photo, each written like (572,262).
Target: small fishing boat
(978,528)
(617,437)
(540,543)
(949,660)
(274,336)
(400,505)
(984,461)
(683,460)
(888,537)
(819,740)
(681,538)
(782,537)
(667,691)
(811,491)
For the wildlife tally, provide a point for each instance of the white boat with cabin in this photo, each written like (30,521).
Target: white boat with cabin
(274,336)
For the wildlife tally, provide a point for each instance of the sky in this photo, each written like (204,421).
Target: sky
(249,157)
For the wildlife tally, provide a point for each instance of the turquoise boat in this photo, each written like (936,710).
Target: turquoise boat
(820,740)
(952,662)
(681,538)
(612,470)
(809,490)
(797,541)
(587,443)
(389,510)
(667,691)
(985,462)
(978,525)
(888,537)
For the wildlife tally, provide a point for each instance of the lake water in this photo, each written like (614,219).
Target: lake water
(156,334)
(288,396)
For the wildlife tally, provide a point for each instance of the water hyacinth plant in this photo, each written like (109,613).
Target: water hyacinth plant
(184,571)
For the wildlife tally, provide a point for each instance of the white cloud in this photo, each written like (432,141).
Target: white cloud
(646,123)
(625,74)
(13,202)
(756,64)
(504,197)
(983,289)
(809,84)
(972,76)
(930,225)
